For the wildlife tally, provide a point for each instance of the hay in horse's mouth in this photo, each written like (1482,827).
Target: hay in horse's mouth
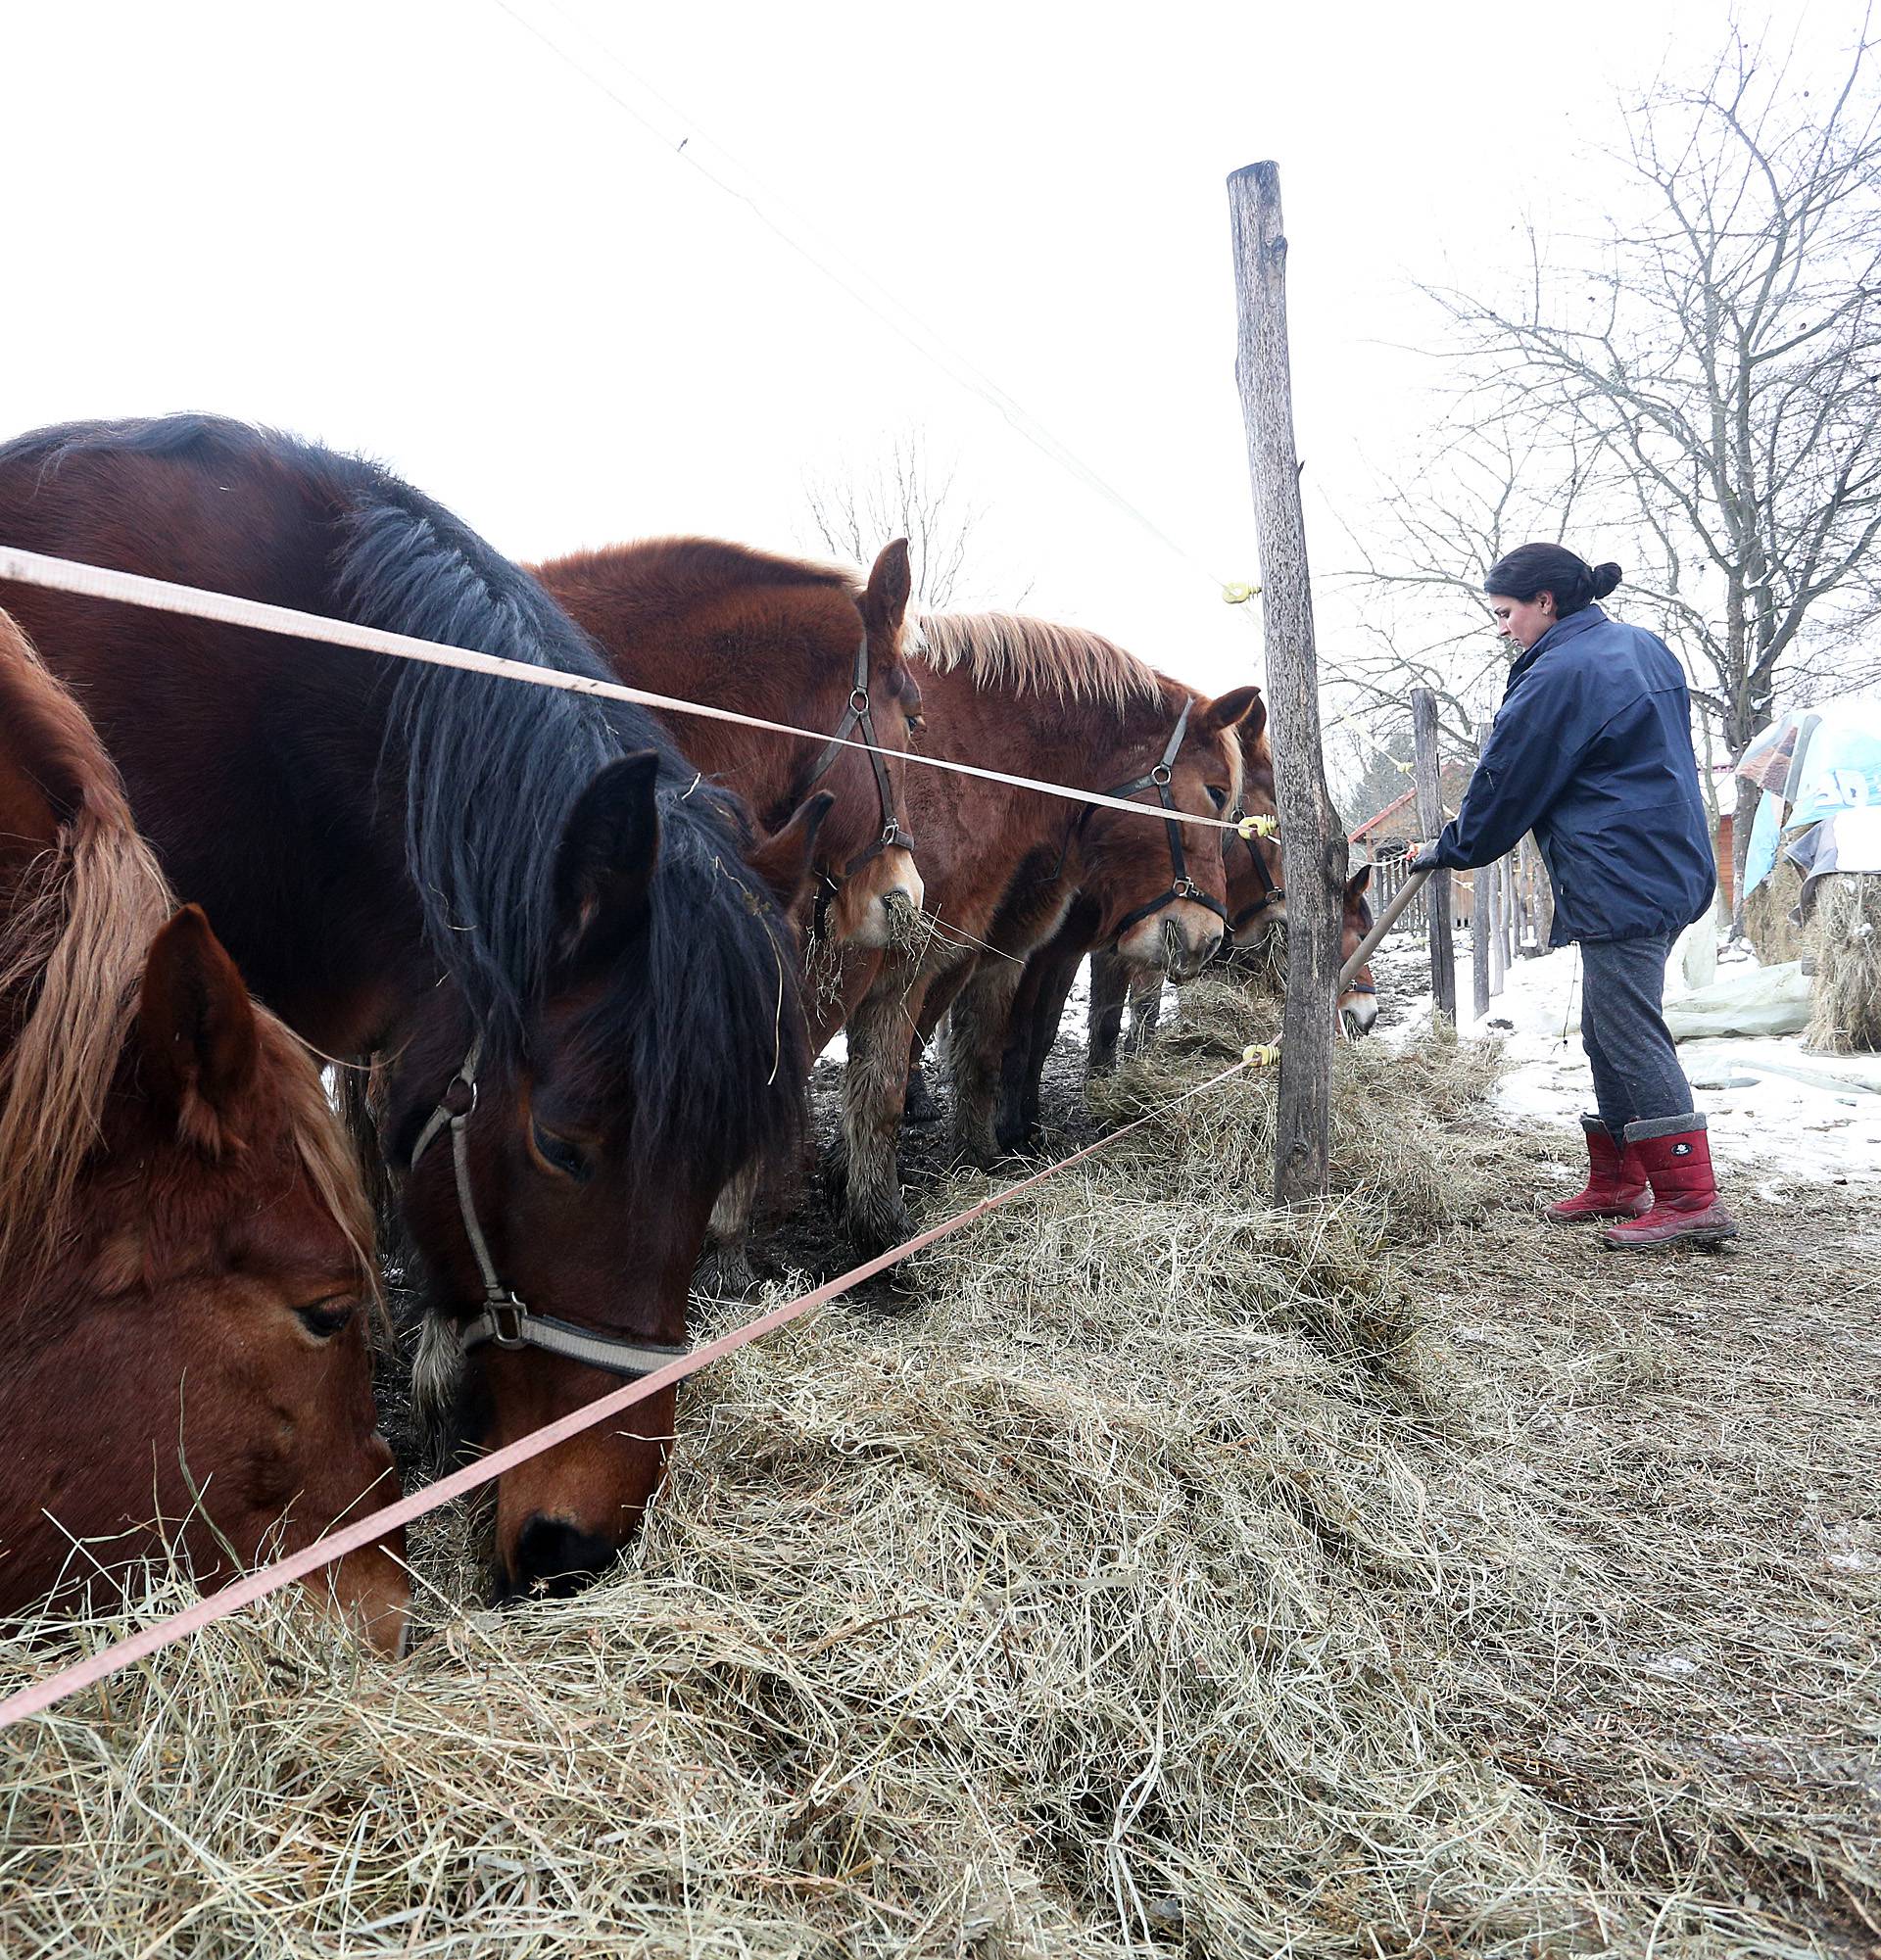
(1184,1575)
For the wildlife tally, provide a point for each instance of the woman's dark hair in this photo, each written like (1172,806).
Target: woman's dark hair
(1530,570)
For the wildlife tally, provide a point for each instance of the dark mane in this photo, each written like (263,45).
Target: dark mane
(490,772)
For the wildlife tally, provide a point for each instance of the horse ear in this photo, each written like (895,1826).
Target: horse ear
(1355,885)
(785,859)
(1254,722)
(197,1026)
(1226,710)
(604,863)
(890,586)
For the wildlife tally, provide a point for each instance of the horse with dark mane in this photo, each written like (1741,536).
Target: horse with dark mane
(1004,865)
(788,640)
(571,952)
(184,1245)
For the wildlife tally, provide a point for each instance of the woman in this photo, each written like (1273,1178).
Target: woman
(1592,752)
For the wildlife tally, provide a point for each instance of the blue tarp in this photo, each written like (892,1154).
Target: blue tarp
(1835,765)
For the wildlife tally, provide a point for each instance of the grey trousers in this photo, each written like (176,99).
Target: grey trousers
(1637,1079)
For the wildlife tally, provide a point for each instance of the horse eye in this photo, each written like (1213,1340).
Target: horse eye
(324,1317)
(560,1154)
(1218,797)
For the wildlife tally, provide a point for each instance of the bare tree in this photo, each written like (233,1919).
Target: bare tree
(904,494)
(1710,359)
(1422,554)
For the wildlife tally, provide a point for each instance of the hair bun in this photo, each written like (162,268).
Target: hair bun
(1606,578)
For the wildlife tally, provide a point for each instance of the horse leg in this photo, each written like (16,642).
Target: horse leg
(1048,1013)
(725,1270)
(1109,988)
(1018,1062)
(920,1105)
(976,1044)
(1145,1011)
(881,1033)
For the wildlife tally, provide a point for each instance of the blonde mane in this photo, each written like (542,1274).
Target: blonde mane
(1037,656)
(75,930)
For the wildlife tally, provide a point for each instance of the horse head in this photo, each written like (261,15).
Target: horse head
(1256,879)
(1358,1004)
(183,1238)
(565,1179)
(1162,886)
(866,861)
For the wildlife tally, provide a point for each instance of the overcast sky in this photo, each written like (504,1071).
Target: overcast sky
(413,227)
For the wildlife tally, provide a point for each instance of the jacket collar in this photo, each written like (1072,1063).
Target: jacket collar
(1563,630)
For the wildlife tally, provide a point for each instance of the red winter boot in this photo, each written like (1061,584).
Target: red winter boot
(1616,1181)
(1685,1208)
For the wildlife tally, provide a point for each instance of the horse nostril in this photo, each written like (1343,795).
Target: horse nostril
(556,1558)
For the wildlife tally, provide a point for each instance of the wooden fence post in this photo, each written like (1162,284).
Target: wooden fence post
(1428,777)
(1497,907)
(1312,840)
(1482,914)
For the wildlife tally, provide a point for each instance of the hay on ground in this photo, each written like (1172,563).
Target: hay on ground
(1182,1577)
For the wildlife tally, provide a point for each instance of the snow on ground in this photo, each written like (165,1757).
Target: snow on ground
(1823,1124)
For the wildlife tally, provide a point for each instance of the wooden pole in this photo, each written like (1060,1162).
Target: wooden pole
(1428,768)
(1493,873)
(1312,840)
(1481,914)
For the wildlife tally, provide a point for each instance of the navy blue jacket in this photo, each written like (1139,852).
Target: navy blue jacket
(1592,750)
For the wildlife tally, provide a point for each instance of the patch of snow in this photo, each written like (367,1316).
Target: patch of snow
(1818,1124)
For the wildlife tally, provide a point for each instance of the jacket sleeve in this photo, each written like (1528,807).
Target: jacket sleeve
(1533,751)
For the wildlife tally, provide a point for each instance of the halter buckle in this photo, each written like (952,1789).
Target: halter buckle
(891,833)
(511,1309)
(858,700)
(460,1099)
(1185,887)
(1162,774)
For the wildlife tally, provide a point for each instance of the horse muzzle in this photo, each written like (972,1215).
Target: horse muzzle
(1179,939)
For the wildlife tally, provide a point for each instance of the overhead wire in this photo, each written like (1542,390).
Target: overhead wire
(892,312)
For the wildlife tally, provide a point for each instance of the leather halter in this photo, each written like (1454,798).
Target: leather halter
(504,1320)
(1271,894)
(1158,779)
(861,715)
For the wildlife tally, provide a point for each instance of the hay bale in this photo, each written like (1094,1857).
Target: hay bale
(1769,920)
(1845,1014)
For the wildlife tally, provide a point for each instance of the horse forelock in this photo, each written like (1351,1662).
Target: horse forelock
(704,1038)
(1037,656)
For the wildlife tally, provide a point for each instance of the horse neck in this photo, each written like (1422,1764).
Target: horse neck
(793,662)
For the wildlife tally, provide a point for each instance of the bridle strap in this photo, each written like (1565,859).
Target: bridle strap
(1158,778)
(504,1320)
(1271,894)
(860,716)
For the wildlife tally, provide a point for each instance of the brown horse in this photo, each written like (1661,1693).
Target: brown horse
(788,640)
(1003,865)
(185,1247)
(573,957)
(1256,903)
(1256,882)
(1358,1005)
